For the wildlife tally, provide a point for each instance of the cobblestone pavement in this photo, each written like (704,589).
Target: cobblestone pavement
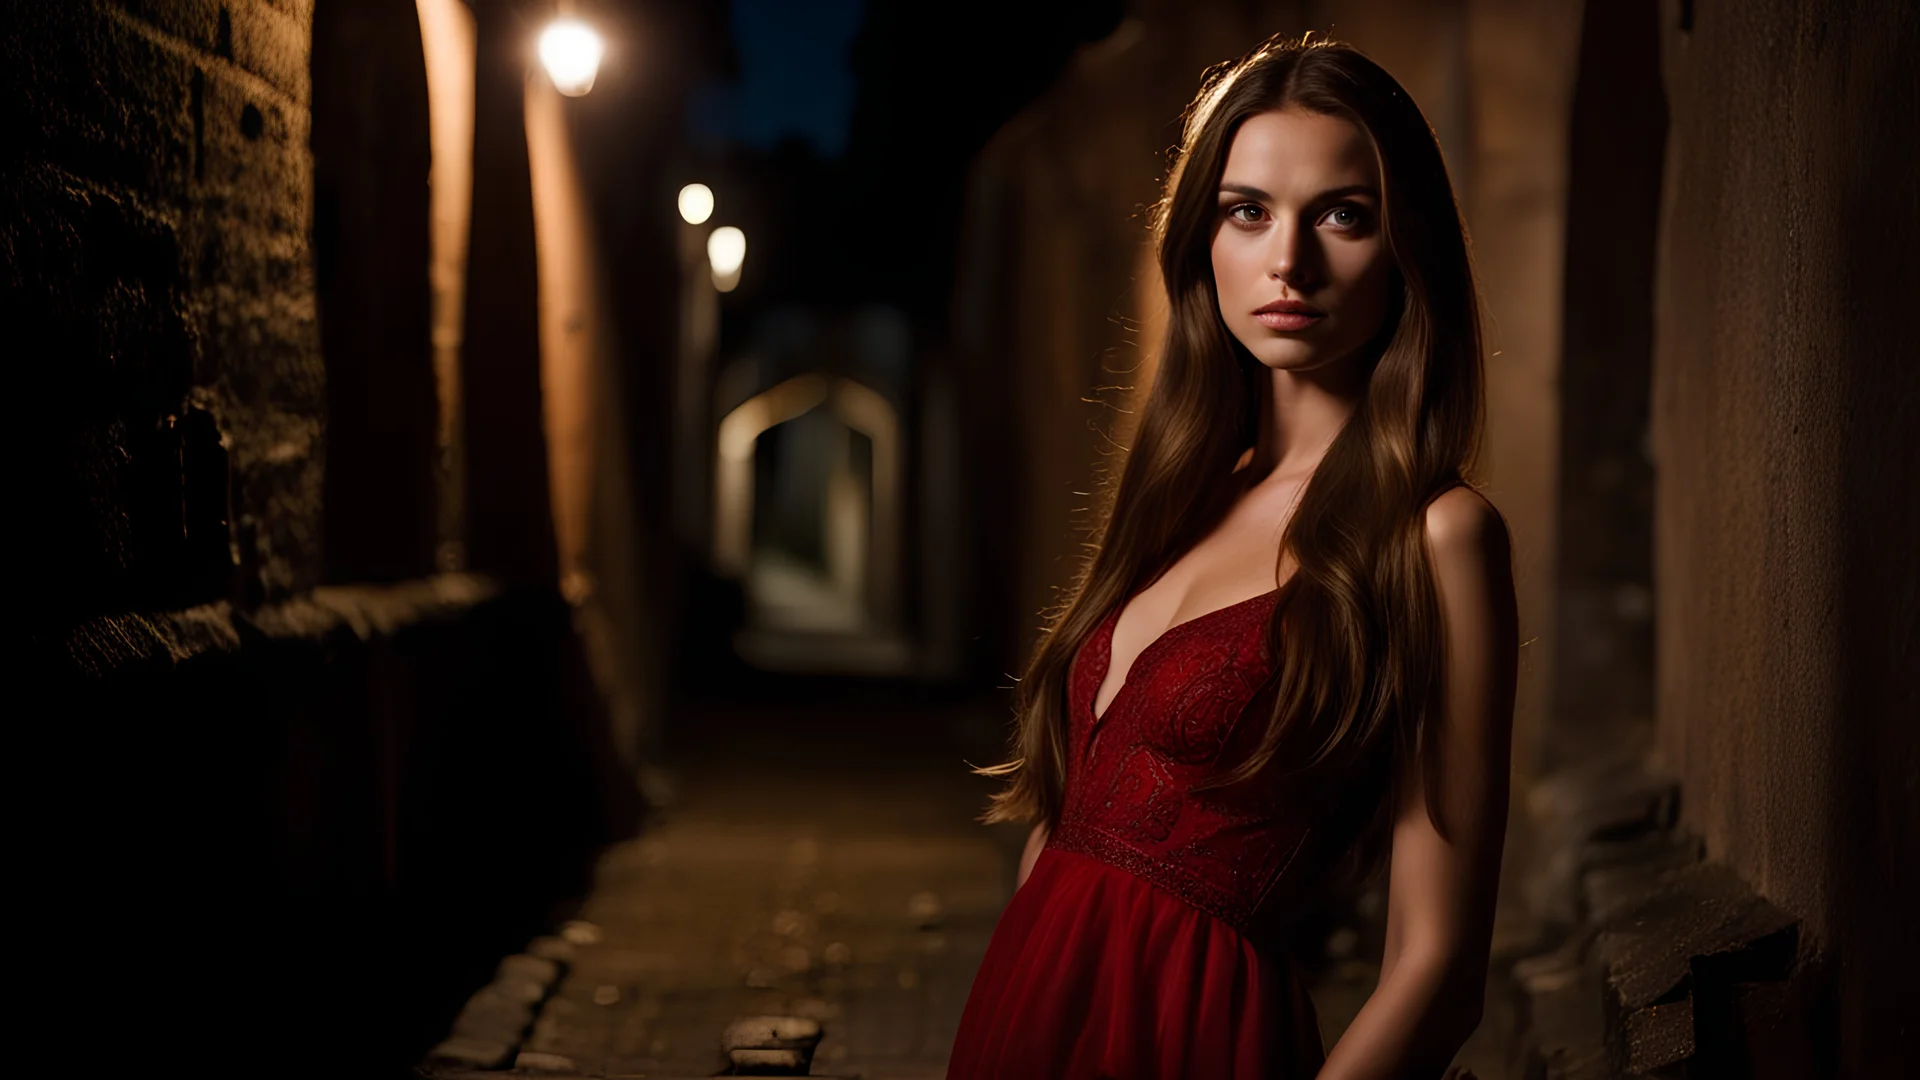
(819,863)
(809,866)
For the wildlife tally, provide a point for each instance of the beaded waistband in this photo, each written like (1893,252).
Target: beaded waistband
(1095,844)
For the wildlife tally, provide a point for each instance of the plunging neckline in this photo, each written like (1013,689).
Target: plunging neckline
(1098,715)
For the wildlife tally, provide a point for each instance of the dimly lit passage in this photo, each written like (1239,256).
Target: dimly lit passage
(529,514)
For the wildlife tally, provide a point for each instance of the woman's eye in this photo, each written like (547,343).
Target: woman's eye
(1343,217)
(1245,213)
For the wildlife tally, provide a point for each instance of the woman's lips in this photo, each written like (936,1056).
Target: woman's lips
(1288,314)
(1288,320)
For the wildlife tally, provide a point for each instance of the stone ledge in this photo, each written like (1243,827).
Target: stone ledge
(1658,953)
(98,648)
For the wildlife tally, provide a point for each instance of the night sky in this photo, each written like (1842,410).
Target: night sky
(794,77)
(843,138)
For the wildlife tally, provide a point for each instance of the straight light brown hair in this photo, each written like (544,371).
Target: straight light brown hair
(1357,638)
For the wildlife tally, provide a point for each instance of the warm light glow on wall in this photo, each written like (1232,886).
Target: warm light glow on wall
(696,204)
(447,37)
(571,51)
(726,251)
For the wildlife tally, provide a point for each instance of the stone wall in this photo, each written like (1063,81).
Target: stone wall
(1785,388)
(160,299)
(291,790)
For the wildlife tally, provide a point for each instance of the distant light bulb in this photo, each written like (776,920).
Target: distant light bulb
(696,203)
(726,250)
(571,51)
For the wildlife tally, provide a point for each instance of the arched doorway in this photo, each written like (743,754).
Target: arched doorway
(808,497)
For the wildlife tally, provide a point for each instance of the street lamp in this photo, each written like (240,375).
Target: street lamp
(570,50)
(696,203)
(726,250)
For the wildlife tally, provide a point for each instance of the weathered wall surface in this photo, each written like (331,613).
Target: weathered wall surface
(1785,387)
(160,298)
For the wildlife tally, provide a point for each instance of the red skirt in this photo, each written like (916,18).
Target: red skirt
(1092,972)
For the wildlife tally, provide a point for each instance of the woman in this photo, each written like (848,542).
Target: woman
(1291,660)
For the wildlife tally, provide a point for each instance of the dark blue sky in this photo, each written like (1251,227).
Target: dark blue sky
(794,78)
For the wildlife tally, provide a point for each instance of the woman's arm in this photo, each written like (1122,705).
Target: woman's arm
(1036,840)
(1441,889)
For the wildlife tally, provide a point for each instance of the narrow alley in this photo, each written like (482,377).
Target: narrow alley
(531,512)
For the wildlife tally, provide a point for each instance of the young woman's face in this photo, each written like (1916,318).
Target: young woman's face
(1299,261)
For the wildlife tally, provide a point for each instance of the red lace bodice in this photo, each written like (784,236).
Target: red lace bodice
(1196,697)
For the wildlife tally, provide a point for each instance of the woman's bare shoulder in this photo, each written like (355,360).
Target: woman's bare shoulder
(1462,523)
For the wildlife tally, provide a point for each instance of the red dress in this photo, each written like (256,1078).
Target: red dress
(1142,943)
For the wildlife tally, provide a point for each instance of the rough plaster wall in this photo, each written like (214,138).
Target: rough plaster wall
(159,294)
(1784,395)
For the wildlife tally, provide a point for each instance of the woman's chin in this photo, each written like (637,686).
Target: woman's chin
(1292,355)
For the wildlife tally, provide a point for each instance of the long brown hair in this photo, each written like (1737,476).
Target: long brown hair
(1357,638)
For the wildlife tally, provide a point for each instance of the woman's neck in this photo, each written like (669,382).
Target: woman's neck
(1300,415)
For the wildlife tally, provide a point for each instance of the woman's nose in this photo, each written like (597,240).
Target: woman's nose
(1292,258)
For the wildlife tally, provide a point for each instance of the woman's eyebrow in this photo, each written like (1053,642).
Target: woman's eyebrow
(1368,190)
(1252,192)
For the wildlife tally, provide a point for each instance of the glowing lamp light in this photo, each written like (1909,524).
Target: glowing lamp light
(571,51)
(696,204)
(726,250)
